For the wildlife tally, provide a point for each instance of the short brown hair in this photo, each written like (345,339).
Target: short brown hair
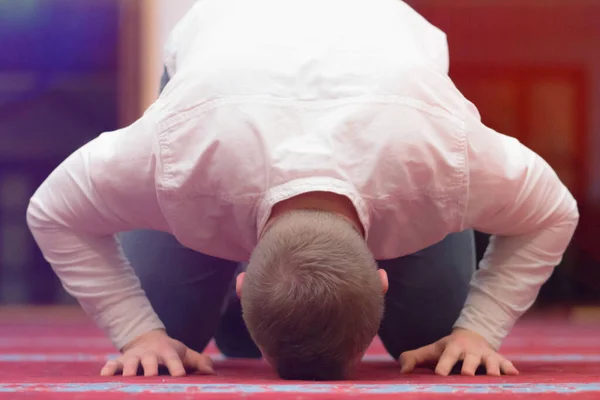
(312,298)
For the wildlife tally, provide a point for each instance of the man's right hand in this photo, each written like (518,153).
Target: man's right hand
(157,348)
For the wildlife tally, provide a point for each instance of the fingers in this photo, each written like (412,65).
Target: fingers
(470,349)
(495,364)
(173,363)
(150,364)
(130,366)
(408,362)
(492,365)
(127,365)
(508,368)
(449,357)
(200,362)
(411,359)
(111,368)
(470,364)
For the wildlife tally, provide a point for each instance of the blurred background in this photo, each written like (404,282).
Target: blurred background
(71,69)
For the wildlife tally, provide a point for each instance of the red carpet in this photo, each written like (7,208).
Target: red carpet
(57,354)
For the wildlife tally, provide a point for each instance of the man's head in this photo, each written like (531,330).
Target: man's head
(312,296)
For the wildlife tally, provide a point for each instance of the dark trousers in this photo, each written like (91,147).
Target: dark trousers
(194,295)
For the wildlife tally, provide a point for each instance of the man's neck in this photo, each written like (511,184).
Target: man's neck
(320,201)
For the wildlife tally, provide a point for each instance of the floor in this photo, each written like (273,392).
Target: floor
(57,354)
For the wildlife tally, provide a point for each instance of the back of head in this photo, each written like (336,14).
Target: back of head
(312,297)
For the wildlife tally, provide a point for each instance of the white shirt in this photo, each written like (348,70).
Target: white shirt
(270,99)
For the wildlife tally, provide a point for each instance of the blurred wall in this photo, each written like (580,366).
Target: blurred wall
(59,75)
(69,70)
(556,39)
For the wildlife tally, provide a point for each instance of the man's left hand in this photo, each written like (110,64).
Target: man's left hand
(462,345)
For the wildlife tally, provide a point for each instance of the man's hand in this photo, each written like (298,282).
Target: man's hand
(157,348)
(462,345)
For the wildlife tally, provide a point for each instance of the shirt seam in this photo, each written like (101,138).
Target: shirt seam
(171,119)
(462,177)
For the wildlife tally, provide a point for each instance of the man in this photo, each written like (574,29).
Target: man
(323,141)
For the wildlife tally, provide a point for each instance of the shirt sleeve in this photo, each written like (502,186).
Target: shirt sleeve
(515,196)
(105,187)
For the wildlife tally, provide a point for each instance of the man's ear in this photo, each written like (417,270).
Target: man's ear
(238,283)
(384,280)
